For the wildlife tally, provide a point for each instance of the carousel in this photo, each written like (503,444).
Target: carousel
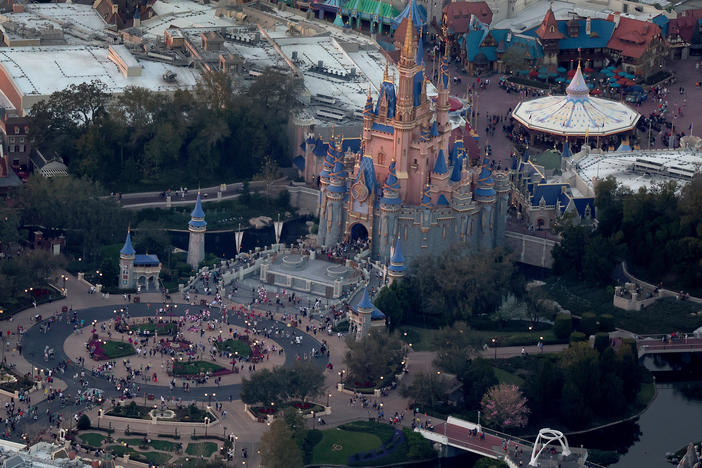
(577,114)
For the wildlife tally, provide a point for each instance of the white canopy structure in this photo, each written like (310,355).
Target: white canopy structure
(577,114)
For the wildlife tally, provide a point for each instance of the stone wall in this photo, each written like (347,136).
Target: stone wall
(531,250)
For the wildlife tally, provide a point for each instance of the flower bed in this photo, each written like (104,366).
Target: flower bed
(14,382)
(305,406)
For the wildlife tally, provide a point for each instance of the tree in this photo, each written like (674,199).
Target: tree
(511,308)
(394,301)
(543,389)
(580,369)
(9,228)
(268,173)
(83,422)
(278,448)
(266,386)
(588,324)
(304,380)
(505,407)
(428,389)
(563,326)
(455,347)
(378,354)
(477,378)
(515,58)
(490,463)
(418,448)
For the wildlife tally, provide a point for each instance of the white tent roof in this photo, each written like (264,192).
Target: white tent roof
(577,113)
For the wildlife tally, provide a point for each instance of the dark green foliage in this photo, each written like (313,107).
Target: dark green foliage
(656,230)
(273,387)
(602,457)
(419,448)
(606,322)
(563,326)
(477,377)
(312,438)
(428,389)
(83,422)
(394,301)
(601,341)
(143,139)
(577,337)
(588,324)
(376,355)
(490,463)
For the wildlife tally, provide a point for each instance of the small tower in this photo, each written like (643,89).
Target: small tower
(364,310)
(126,263)
(197,227)
(397,267)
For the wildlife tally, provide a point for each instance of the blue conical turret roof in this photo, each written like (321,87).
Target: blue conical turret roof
(128,249)
(566,150)
(197,217)
(440,165)
(434,129)
(457,168)
(365,300)
(397,262)
(426,199)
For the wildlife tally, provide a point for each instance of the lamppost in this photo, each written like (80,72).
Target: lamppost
(313,420)
(207,422)
(328,396)
(494,345)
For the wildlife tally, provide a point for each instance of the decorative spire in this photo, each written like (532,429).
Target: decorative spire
(128,249)
(365,305)
(386,76)
(444,69)
(566,150)
(578,87)
(409,50)
(426,199)
(197,217)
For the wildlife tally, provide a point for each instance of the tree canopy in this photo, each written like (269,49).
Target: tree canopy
(303,380)
(144,138)
(378,354)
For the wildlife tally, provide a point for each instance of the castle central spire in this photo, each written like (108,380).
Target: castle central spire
(409,47)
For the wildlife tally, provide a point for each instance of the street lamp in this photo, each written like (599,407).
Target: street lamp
(494,345)
(328,396)
(313,420)
(207,422)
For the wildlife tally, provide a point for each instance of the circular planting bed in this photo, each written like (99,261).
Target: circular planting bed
(101,350)
(195,368)
(162,414)
(239,348)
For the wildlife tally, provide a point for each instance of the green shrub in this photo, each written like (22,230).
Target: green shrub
(490,463)
(83,422)
(606,322)
(588,324)
(563,326)
(601,341)
(577,337)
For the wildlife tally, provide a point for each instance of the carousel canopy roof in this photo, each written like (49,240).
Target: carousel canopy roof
(577,113)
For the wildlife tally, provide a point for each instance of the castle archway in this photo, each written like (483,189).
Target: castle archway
(359,232)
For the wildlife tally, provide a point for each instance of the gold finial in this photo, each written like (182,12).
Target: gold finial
(385,75)
(409,47)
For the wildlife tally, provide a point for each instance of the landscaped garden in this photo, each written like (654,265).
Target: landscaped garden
(189,413)
(152,328)
(13,382)
(93,439)
(162,445)
(305,407)
(238,348)
(194,368)
(201,449)
(101,350)
(149,457)
(367,443)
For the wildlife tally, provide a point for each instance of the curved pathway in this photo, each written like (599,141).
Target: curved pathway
(33,343)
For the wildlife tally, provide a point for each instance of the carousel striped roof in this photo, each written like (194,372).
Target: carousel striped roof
(577,113)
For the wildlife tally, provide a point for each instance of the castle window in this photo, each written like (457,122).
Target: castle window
(551,29)
(381,158)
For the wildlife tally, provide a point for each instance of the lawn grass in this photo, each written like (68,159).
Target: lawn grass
(234,346)
(162,445)
(338,445)
(152,458)
(201,449)
(507,377)
(92,439)
(195,367)
(163,329)
(117,349)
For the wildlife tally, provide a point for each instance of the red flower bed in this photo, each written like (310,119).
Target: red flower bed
(302,405)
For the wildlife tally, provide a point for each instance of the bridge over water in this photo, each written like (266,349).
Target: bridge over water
(664,344)
(550,450)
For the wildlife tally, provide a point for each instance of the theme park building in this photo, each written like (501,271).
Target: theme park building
(405,179)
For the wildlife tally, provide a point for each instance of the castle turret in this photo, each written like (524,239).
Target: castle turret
(389,209)
(333,197)
(397,268)
(197,227)
(364,309)
(126,263)
(485,196)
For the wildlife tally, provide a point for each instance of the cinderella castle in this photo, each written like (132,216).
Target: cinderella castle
(406,181)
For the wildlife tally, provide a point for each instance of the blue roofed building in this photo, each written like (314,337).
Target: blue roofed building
(364,316)
(543,200)
(137,271)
